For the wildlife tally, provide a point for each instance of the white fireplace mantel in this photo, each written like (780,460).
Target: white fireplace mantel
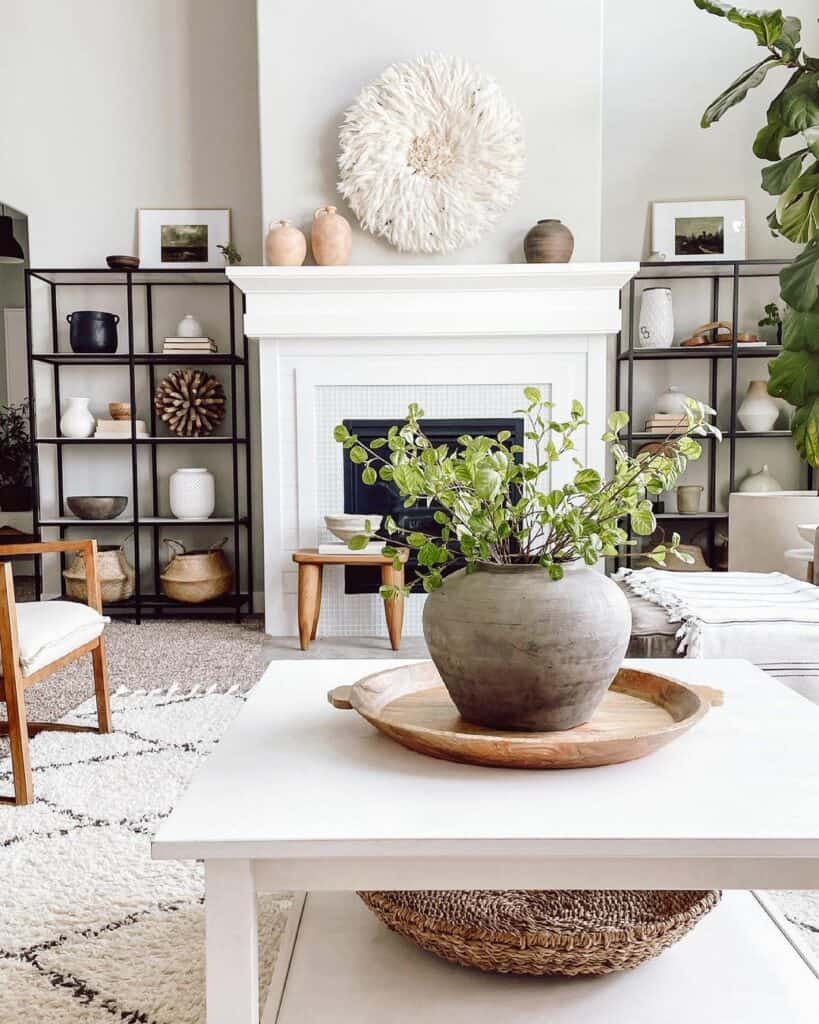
(362,342)
(473,300)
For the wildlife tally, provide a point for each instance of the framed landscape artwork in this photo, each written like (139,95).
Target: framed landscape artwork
(182,239)
(709,230)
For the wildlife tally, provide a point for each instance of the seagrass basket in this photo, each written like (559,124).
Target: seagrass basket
(543,931)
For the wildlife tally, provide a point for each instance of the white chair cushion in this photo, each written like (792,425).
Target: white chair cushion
(48,630)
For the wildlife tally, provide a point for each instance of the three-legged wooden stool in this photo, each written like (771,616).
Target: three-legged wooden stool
(311,564)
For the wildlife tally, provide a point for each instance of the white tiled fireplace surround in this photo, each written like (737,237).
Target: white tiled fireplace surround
(364,342)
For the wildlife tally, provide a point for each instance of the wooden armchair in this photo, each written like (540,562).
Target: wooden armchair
(55,633)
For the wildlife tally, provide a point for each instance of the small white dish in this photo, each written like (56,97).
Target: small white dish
(346,525)
(807,531)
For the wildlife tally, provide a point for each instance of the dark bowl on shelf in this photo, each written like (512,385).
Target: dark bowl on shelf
(123,262)
(96,507)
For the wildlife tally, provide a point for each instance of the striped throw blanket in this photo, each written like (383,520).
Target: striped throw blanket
(768,618)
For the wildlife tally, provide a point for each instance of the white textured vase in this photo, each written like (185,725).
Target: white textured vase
(189,327)
(672,401)
(656,326)
(77,419)
(193,494)
(760,483)
(758,411)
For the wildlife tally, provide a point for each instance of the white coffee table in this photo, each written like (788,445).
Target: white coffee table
(301,796)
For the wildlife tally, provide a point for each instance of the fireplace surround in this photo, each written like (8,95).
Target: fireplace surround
(361,343)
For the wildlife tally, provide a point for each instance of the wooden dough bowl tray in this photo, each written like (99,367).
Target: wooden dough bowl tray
(640,713)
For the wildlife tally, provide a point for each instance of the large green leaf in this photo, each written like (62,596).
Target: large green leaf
(797,281)
(800,103)
(777,177)
(797,211)
(738,90)
(767,26)
(794,376)
(805,429)
(769,138)
(800,331)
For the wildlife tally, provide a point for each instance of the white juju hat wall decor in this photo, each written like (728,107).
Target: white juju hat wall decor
(431,154)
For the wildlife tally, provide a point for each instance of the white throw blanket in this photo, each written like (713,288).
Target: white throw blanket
(769,618)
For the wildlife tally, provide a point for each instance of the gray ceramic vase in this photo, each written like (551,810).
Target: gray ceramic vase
(548,241)
(517,650)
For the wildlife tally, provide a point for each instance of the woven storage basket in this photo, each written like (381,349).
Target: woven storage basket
(543,931)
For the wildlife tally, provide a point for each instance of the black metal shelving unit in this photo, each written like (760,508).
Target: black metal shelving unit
(140,285)
(728,274)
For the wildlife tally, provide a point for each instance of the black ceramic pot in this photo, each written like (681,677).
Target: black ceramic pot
(93,332)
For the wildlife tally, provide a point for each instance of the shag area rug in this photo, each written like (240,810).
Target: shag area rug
(91,929)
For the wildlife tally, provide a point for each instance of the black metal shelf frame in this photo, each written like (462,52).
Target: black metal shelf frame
(628,355)
(240,600)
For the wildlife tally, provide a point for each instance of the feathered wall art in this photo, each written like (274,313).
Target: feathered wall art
(431,154)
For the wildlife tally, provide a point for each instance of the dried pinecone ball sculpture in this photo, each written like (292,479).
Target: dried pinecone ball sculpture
(190,402)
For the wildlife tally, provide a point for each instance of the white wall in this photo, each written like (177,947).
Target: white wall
(662,65)
(314,58)
(109,105)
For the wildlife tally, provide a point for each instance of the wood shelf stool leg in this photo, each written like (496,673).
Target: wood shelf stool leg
(309,602)
(394,608)
(314,630)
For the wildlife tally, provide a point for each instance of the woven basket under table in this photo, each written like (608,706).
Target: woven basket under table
(543,931)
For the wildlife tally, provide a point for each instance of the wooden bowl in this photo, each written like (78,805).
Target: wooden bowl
(123,262)
(119,410)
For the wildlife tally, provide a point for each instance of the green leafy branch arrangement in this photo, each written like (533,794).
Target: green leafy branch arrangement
(15,446)
(794,178)
(490,504)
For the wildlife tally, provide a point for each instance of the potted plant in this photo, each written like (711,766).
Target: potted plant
(527,635)
(15,458)
(772,318)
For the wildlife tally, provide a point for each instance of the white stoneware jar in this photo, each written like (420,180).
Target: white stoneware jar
(193,494)
(688,499)
(77,420)
(672,401)
(758,411)
(760,482)
(285,245)
(189,327)
(656,326)
(331,238)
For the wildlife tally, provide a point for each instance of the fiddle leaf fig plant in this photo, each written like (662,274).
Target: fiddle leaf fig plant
(491,499)
(794,178)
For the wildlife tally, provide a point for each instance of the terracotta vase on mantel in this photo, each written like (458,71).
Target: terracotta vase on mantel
(331,238)
(285,245)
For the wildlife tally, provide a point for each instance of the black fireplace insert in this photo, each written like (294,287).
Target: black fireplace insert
(382,498)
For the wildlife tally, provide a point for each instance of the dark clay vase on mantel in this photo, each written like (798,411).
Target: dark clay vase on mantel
(548,241)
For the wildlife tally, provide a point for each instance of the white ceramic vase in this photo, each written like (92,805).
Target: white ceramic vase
(77,419)
(672,401)
(192,493)
(656,325)
(760,482)
(189,327)
(758,411)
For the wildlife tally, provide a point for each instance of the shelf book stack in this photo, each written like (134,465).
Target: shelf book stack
(373,548)
(189,346)
(666,423)
(119,429)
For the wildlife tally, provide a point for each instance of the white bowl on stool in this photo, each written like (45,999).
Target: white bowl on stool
(346,525)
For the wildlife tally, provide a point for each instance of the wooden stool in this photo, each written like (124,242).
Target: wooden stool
(311,565)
